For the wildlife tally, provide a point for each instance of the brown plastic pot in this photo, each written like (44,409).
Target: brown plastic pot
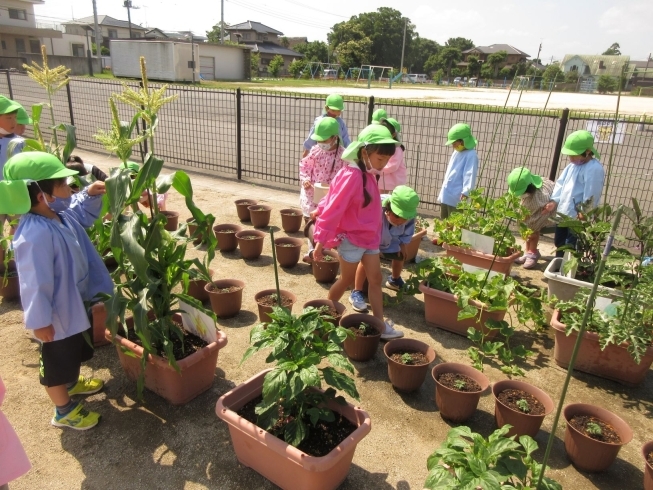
(407,377)
(457,406)
(250,249)
(339,307)
(291,220)
(99,314)
(288,256)
(10,291)
(192,227)
(264,310)
(413,246)
(227,241)
(648,469)
(362,349)
(282,464)
(173,220)
(522,423)
(225,305)
(326,271)
(196,288)
(195,376)
(614,362)
(441,310)
(260,215)
(588,454)
(241,208)
(502,265)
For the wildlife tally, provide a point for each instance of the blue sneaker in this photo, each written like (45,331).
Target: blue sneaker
(395,284)
(358,301)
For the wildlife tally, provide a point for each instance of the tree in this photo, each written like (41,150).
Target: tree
(284,41)
(275,65)
(495,60)
(473,65)
(421,50)
(314,51)
(296,68)
(104,51)
(614,50)
(571,76)
(255,61)
(553,73)
(607,84)
(214,34)
(448,56)
(432,64)
(460,42)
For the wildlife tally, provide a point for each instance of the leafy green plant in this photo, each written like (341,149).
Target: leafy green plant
(467,461)
(486,216)
(151,261)
(421,223)
(593,429)
(406,358)
(290,404)
(459,384)
(523,406)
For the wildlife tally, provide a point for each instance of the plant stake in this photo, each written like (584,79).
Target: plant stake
(276,270)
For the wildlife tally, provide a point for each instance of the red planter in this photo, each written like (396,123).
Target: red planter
(413,247)
(196,375)
(457,406)
(226,305)
(291,220)
(588,454)
(250,249)
(288,256)
(241,208)
(173,220)
(339,307)
(227,241)
(196,288)
(99,313)
(362,349)
(522,423)
(502,265)
(441,310)
(614,362)
(282,464)
(326,271)
(264,310)
(408,377)
(648,469)
(260,215)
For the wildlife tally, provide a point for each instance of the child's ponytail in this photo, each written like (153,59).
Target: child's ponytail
(366,195)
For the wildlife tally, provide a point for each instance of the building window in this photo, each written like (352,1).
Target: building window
(20,45)
(262,37)
(34,46)
(17,14)
(246,36)
(601,65)
(4,45)
(574,68)
(113,34)
(78,50)
(137,34)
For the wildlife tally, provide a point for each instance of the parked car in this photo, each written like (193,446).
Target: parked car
(417,78)
(473,82)
(456,80)
(330,74)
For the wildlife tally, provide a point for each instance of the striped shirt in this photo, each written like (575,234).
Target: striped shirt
(535,202)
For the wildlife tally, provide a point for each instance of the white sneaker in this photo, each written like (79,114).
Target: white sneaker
(390,332)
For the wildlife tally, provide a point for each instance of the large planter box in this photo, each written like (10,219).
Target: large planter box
(614,362)
(282,464)
(565,288)
(195,376)
(502,265)
(413,247)
(441,310)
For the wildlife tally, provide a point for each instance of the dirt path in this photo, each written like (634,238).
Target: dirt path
(154,445)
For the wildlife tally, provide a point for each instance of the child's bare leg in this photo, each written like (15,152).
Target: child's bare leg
(372,265)
(532,241)
(347,276)
(360,277)
(58,395)
(397,267)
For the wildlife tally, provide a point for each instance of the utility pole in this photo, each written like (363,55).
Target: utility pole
(192,54)
(98,34)
(648,60)
(538,54)
(222,22)
(128,5)
(403,46)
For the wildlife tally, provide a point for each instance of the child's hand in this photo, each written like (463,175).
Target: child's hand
(307,184)
(45,334)
(97,188)
(403,251)
(549,207)
(317,252)
(314,214)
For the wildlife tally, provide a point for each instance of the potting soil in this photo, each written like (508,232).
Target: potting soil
(368,331)
(510,398)
(180,349)
(271,300)
(231,289)
(608,434)
(649,458)
(417,358)
(449,380)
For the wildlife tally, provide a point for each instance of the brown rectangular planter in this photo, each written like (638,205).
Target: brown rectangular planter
(441,310)
(413,247)
(614,362)
(196,375)
(281,463)
(468,256)
(99,313)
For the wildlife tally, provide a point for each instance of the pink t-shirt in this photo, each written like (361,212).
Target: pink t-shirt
(394,173)
(341,213)
(13,460)
(318,166)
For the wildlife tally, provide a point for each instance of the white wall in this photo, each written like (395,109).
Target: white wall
(64,46)
(229,61)
(165,60)
(17,4)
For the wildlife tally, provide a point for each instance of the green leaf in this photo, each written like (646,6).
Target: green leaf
(37,109)
(130,236)
(310,376)
(340,381)
(274,385)
(295,432)
(71,140)
(529,444)
(439,478)
(340,361)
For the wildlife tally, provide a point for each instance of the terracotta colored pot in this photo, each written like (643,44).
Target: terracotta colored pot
(282,464)
(291,220)
(264,310)
(441,310)
(406,377)
(502,265)
(226,305)
(250,249)
(522,423)
(288,256)
(588,454)
(648,469)
(196,375)
(362,349)
(413,247)
(196,288)
(10,291)
(241,208)
(99,313)
(260,215)
(173,220)
(326,271)
(457,406)
(192,227)
(339,307)
(227,241)
(614,362)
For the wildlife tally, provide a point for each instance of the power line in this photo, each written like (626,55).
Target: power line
(287,18)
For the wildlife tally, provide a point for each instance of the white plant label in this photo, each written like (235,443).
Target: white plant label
(473,268)
(478,242)
(198,323)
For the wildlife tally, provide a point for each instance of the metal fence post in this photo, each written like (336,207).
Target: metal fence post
(239,153)
(564,118)
(11,90)
(370,110)
(70,104)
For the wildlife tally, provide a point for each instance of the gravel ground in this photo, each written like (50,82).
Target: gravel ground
(155,445)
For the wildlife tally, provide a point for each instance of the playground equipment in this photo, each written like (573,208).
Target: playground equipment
(374,72)
(323,70)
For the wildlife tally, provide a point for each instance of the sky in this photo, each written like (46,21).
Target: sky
(562,26)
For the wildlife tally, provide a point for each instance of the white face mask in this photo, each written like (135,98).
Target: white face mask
(325,146)
(4,132)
